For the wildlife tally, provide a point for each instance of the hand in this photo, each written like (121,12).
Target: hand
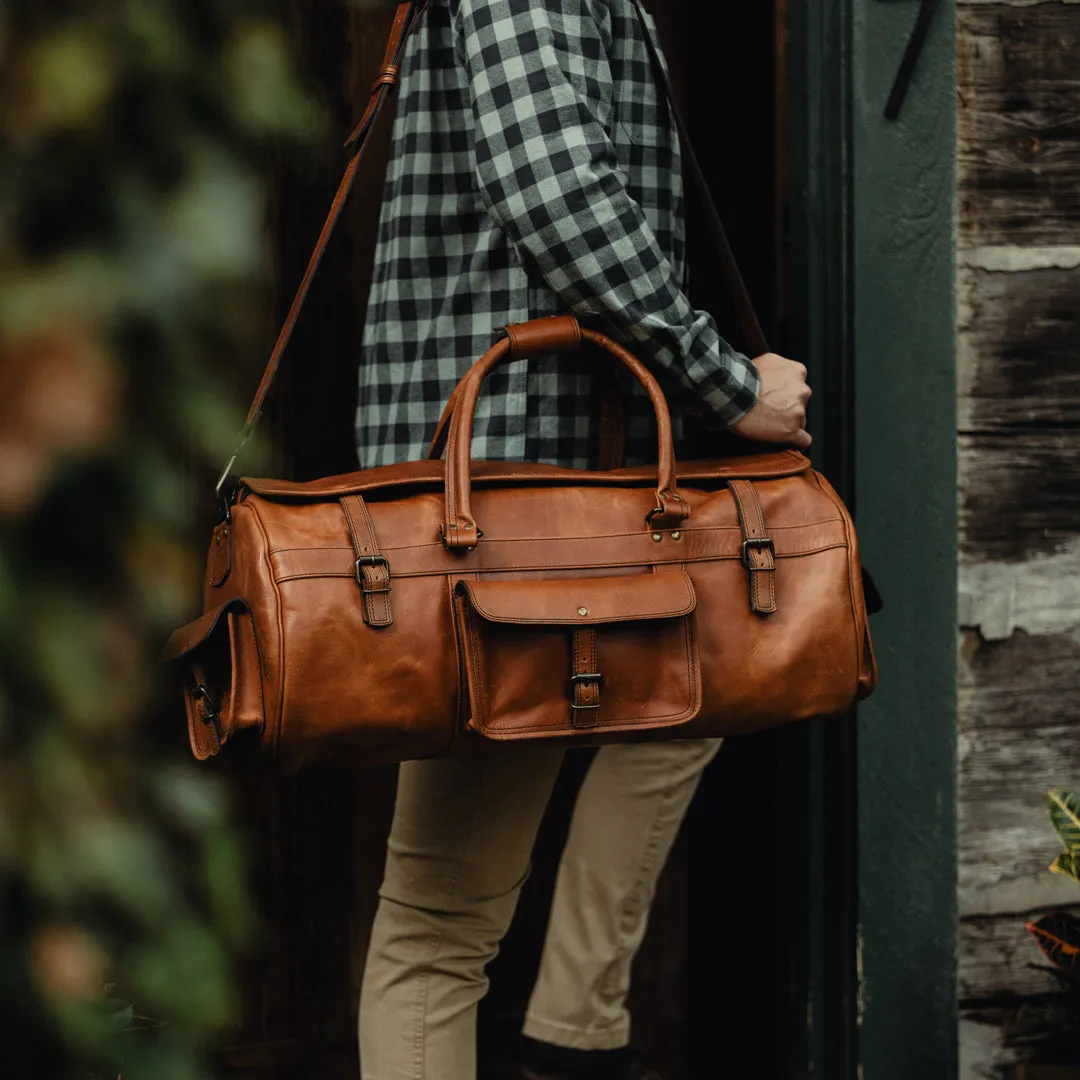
(780,413)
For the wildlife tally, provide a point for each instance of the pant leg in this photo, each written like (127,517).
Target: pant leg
(628,813)
(458,854)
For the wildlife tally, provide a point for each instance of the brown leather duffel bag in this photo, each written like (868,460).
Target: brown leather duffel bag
(424,608)
(383,614)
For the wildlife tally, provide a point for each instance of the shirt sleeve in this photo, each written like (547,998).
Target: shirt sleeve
(540,88)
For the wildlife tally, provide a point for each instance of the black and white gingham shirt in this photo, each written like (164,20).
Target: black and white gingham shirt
(534,170)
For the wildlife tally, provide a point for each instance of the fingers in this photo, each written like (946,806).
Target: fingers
(780,413)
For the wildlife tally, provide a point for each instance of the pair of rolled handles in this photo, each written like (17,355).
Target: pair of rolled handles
(541,337)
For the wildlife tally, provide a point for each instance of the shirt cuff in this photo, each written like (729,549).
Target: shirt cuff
(730,391)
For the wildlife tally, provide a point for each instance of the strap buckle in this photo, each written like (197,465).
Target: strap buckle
(208,714)
(372,560)
(587,676)
(763,543)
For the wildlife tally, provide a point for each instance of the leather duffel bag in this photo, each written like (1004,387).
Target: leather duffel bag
(435,606)
(413,610)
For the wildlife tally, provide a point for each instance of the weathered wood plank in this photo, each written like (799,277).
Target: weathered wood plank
(1019,494)
(1018,118)
(1026,683)
(1039,596)
(1018,408)
(998,959)
(983,1054)
(1006,842)
(988,1040)
(1018,350)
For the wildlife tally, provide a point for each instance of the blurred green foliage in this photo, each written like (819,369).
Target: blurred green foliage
(132,277)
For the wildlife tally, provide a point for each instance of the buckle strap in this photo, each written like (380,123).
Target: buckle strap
(758,554)
(205,707)
(372,569)
(586,681)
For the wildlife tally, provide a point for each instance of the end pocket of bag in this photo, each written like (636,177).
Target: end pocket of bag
(574,656)
(217,656)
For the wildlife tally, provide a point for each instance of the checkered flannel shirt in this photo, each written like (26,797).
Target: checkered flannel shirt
(534,170)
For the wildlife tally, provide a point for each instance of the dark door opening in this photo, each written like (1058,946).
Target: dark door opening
(744,1001)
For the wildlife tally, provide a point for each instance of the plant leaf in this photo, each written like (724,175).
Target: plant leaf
(1065,816)
(1068,865)
(1058,935)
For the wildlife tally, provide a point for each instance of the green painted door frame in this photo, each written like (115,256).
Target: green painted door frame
(873,313)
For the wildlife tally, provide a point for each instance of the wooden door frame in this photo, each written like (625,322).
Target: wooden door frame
(873,313)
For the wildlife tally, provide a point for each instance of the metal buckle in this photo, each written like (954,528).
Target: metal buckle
(764,542)
(587,676)
(372,560)
(208,714)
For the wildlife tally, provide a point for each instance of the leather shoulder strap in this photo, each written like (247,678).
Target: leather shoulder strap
(406,20)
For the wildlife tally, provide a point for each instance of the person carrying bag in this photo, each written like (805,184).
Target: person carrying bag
(523,564)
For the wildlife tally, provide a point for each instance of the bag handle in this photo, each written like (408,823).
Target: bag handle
(559,333)
(406,19)
(610,421)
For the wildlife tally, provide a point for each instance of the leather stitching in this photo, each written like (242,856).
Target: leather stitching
(363,481)
(760,561)
(700,530)
(379,602)
(481,708)
(349,571)
(586,695)
(555,620)
(372,579)
(275,728)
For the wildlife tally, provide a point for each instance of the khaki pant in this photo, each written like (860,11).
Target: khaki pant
(458,855)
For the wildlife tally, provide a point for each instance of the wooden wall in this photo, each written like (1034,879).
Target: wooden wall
(1019,455)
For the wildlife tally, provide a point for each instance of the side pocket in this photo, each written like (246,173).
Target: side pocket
(217,657)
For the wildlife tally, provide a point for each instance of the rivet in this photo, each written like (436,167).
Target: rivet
(583,611)
(677,498)
(468,526)
(676,535)
(657,537)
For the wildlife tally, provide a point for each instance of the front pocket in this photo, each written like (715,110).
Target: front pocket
(579,655)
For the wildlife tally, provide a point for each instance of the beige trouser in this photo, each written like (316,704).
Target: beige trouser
(458,855)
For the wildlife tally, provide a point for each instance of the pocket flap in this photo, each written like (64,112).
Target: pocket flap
(195,633)
(582,601)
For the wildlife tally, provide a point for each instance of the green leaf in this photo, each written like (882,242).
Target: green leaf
(1058,935)
(1068,865)
(1065,816)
